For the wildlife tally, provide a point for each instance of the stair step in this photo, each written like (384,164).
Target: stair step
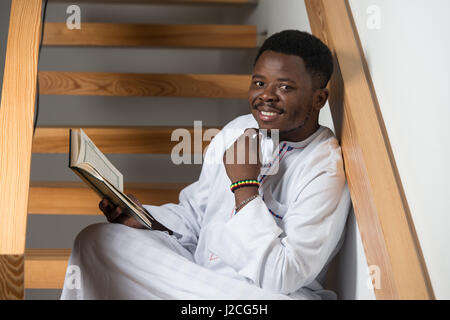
(45,268)
(135,84)
(112,140)
(78,199)
(151,35)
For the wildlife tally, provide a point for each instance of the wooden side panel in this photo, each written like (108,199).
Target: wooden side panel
(151,35)
(118,140)
(16,131)
(381,209)
(11,277)
(133,84)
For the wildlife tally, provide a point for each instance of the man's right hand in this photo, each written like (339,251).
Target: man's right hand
(116,214)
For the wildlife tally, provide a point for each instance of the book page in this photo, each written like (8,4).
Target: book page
(103,188)
(92,155)
(74,147)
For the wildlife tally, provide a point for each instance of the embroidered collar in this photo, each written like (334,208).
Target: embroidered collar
(304,143)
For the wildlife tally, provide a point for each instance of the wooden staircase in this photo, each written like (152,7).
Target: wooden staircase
(386,228)
(45,268)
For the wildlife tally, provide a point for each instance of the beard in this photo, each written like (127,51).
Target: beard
(302,124)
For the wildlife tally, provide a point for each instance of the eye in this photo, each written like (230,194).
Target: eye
(285,87)
(258,83)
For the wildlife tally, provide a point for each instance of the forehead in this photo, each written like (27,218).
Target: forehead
(280,65)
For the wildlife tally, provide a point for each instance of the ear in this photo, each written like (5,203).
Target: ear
(320,97)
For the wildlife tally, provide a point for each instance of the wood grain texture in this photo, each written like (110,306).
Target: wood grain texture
(134,84)
(151,35)
(11,277)
(381,209)
(45,268)
(16,130)
(156,140)
(77,198)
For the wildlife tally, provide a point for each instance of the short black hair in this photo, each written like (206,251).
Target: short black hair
(315,54)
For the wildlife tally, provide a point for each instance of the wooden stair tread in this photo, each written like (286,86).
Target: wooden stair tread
(45,268)
(136,84)
(78,199)
(151,35)
(47,254)
(111,140)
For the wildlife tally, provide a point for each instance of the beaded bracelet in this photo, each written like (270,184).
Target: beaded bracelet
(244,183)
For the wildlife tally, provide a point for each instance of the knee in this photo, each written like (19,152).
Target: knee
(94,234)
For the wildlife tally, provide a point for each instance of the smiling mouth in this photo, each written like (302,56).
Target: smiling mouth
(266,113)
(268,116)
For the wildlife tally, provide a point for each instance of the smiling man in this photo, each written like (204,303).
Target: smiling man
(237,233)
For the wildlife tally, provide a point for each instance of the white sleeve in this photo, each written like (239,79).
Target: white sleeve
(286,260)
(185,218)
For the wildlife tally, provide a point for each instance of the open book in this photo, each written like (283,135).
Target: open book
(88,162)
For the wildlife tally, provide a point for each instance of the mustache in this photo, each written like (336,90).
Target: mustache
(270,105)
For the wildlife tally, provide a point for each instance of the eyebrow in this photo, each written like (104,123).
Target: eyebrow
(279,79)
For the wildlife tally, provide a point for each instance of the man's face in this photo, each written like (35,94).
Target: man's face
(280,94)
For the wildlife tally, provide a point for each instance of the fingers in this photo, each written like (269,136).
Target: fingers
(250,145)
(246,149)
(111,211)
(113,216)
(129,221)
(253,131)
(105,206)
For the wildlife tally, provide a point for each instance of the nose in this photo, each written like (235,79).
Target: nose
(268,95)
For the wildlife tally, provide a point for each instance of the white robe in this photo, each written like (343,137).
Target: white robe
(276,247)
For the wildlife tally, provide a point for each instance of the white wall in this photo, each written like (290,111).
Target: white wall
(352,277)
(408,59)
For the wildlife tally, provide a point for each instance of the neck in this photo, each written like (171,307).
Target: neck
(302,132)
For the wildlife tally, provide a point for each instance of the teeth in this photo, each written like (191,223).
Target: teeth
(265,113)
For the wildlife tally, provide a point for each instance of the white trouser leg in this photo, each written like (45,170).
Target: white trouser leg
(118,262)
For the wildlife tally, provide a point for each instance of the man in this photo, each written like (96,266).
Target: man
(269,239)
